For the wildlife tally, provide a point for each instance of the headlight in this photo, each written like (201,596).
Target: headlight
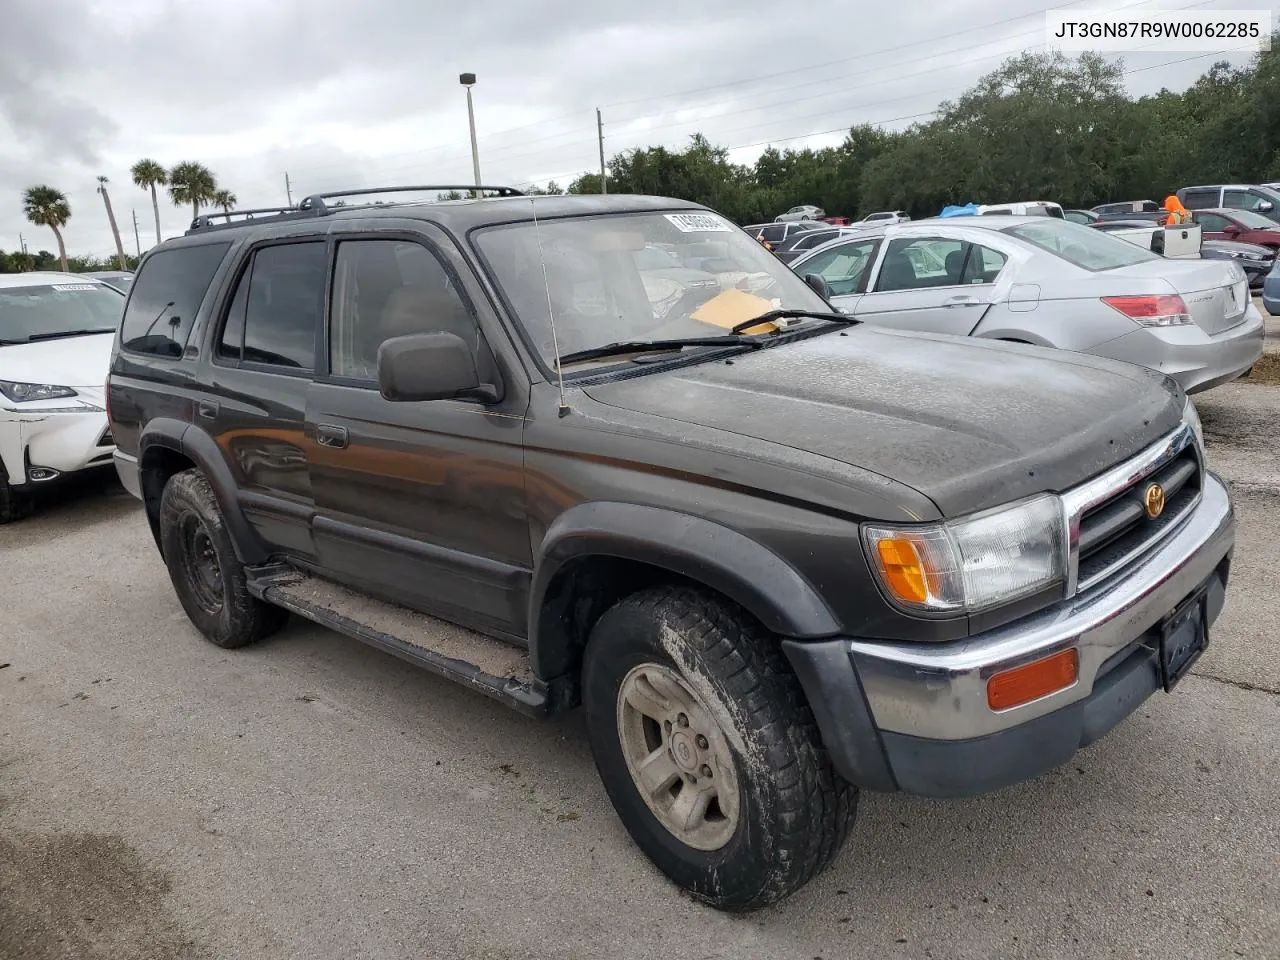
(1192,419)
(972,563)
(28,392)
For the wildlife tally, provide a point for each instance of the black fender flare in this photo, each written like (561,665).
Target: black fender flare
(202,450)
(723,559)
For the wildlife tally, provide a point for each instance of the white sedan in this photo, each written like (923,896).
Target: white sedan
(1049,282)
(804,212)
(56,331)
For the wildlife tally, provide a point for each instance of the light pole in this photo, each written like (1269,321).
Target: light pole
(468,80)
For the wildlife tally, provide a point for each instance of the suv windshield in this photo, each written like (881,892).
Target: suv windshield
(602,288)
(49,310)
(1080,245)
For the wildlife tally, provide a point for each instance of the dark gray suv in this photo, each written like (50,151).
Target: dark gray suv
(777,556)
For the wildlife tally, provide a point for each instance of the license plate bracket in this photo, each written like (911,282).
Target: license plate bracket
(1184,634)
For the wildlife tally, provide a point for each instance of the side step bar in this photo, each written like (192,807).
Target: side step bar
(498,670)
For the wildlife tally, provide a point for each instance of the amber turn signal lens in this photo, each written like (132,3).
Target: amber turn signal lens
(903,571)
(1031,681)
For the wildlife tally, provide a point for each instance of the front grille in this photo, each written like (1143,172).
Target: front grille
(1118,530)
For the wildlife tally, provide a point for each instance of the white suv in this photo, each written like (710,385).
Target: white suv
(56,331)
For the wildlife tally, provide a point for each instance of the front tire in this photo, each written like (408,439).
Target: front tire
(207,576)
(708,749)
(14,504)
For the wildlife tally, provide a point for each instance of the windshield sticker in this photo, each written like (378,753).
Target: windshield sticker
(74,286)
(699,223)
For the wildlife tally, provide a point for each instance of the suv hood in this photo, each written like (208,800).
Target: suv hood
(67,362)
(971,424)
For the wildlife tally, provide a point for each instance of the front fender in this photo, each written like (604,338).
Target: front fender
(723,559)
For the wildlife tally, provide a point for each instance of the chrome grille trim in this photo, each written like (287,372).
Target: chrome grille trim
(1080,500)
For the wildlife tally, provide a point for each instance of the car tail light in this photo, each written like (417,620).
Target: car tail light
(1157,310)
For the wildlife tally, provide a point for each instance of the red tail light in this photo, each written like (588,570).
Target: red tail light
(1156,310)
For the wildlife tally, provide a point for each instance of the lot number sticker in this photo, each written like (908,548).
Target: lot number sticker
(74,286)
(699,223)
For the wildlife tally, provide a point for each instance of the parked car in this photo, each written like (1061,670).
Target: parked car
(804,212)
(1132,210)
(778,233)
(55,345)
(1176,241)
(798,243)
(851,557)
(1254,260)
(1048,282)
(1080,216)
(1023,208)
(836,221)
(1271,289)
(1243,225)
(1236,196)
(120,279)
(886,216)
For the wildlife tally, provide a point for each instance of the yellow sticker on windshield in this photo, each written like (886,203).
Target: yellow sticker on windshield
(731,307)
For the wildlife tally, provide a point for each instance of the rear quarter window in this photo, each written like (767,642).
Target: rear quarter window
(165,296)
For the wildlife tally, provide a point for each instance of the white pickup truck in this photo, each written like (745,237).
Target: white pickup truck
(1179,241)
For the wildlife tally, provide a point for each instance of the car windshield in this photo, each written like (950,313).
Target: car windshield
(1083,246)
(48,310)
(1253,220)
(601,291)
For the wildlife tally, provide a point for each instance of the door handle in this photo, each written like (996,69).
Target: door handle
(961,301)
(207,409)
(328,435)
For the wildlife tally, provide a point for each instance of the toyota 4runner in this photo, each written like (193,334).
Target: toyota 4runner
(777,556)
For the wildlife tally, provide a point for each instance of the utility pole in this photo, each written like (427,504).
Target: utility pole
(288,188)
(22,242)
(604,187)
(137,243)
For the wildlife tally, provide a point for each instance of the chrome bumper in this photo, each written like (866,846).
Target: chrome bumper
(939,691)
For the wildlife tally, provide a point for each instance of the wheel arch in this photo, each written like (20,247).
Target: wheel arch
(597,553)
(169,446)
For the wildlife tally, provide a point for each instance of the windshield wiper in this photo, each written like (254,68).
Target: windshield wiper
(771,315)
(55,334)
(624,347)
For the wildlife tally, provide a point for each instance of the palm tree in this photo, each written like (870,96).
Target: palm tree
(224,199)
(148,175)
(111,218)
(192,183)
(47,207)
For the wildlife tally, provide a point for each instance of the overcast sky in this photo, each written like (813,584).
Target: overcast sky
(344,94)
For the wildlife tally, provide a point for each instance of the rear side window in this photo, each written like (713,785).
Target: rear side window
(1200,199)
(774,232)
(165,297)
(277,309)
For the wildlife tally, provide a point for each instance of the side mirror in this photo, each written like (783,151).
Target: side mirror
(818,285)
(431,366)
(1266,206)
(1231,230)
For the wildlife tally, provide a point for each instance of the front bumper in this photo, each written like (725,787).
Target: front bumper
(914,716)
(1197,360)
(37,446)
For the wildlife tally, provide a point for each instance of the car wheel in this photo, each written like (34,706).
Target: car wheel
(207,576)
(708,748)
(14,504)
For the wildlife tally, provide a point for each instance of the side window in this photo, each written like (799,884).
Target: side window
(165,297)
(389,288)
(774,232)
(845,267)
(231,340)
(915,264)
(1200,199)
(1212,222)
(983,265)
(1240,200)
(283,294)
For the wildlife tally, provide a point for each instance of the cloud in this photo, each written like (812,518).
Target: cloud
(342,94)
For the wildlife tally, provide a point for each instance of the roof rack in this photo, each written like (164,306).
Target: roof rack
(316,201)
(315,206)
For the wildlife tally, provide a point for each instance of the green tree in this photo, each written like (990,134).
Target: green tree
(47,207)
(192,183)
(224,199)
(111,219)
(148,175)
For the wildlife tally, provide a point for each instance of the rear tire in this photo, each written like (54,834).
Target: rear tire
(207,576)
(686,694)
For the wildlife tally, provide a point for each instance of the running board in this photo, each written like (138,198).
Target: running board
(498,670)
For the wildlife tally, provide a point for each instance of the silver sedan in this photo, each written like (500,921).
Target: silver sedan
(1049,282)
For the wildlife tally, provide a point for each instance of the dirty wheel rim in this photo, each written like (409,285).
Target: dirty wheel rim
(678,757)
(200,563)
